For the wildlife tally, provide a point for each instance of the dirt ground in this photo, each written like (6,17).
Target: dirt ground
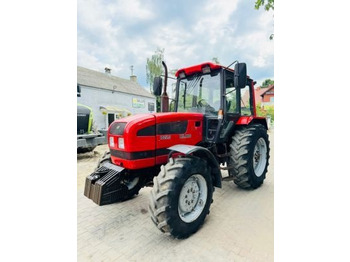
(87,162)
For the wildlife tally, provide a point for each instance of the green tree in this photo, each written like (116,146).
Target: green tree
(267,4)
(154,66)
(215,60)
(267,83)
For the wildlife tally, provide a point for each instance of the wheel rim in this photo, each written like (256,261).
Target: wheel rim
(193,197)
(260,157)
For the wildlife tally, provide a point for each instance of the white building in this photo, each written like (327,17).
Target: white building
(111,97)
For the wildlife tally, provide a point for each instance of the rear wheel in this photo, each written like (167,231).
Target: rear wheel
(181,196)
(249,156)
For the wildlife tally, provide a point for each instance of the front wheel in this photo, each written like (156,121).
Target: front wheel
(181,196)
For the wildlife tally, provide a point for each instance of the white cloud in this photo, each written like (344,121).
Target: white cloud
(89,61)
(130,10)
(213,20)
(216,13)
(124,33)
(259,61)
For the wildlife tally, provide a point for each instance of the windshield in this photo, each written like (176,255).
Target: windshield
(199,93)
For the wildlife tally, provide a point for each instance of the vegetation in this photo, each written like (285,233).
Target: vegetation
(265,111)
(215,60)
(154,66)
(267,4)
(267,83)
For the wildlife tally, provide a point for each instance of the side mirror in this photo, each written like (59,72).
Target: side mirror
(240,75)
(157,85)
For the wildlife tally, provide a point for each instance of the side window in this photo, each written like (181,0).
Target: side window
(245,101)
(185,99)
(231,95)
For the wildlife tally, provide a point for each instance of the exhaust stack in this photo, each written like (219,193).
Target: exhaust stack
(164,97)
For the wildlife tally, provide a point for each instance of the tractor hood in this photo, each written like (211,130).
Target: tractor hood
(169,123)
(146,137)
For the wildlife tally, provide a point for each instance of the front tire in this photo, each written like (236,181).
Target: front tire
(249,156)
(181,196)
(106,158)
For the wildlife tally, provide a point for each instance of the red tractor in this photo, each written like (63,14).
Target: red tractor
(213,127)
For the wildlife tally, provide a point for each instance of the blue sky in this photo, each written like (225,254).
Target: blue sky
(118,34)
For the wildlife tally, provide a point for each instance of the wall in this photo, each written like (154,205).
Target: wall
(96,97)
(267,98)
(268,95)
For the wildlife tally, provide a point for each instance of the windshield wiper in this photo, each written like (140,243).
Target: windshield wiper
(193,84)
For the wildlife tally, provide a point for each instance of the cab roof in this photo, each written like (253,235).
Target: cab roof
(198,68)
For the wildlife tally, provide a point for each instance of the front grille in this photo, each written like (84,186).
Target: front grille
(133,155)
(82,124)
(83,115)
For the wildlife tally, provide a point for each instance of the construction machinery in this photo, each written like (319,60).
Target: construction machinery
(87,137)
(182,153)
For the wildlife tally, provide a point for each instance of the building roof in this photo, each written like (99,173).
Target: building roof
(267,89)
(259,93)
(88,77)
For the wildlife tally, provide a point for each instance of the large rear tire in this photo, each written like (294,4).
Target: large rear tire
(249,156)
(181,196)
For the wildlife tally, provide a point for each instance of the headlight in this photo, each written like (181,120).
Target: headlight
(121,142)
(111,141)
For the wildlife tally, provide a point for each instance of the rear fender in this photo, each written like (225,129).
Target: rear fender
(248,120)
(202,153)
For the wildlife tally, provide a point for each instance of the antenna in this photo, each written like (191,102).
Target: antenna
(132,70)
(232,63)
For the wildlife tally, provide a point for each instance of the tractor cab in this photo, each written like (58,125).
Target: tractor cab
(211,89)
(224,96)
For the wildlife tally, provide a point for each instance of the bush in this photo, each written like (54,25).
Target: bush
(265,111)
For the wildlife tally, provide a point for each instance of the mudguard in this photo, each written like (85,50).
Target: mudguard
(203,153)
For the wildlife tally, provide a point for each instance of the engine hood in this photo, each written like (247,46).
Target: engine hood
(143,140)
(176,116)
(139,120)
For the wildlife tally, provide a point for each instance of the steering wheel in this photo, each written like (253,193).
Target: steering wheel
(201,104)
